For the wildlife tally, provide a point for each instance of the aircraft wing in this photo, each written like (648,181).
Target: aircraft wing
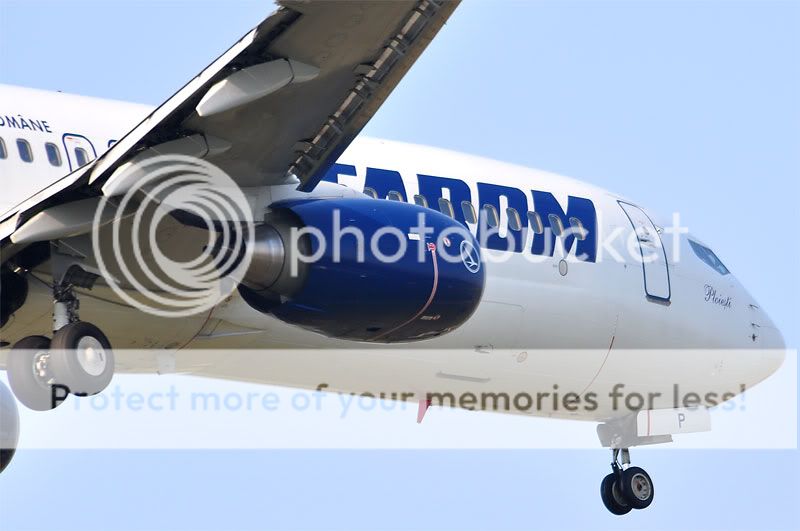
(281,104)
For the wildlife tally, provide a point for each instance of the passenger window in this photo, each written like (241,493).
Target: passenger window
(577,228)
(492,219)
(446,208)
(555,224)
(420,200)
(707,255)
(469,212)
(514,222)
(53,154)
(536,222)
(370,192)
(3,152)
(395,196)
(81,157)
(25,152)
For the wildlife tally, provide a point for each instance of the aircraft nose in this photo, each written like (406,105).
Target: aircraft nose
(774,349)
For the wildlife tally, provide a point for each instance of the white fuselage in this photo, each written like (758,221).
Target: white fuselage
(533,308)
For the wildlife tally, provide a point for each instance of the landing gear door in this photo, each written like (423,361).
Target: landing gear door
(655,267)
(79,149)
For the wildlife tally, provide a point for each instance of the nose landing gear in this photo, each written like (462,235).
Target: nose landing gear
(626,487)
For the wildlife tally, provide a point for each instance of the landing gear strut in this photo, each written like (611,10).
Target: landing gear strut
(626,487)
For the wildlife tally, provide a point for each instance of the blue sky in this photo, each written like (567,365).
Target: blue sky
(688,106)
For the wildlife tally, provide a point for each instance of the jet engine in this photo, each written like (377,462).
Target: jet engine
(364,269)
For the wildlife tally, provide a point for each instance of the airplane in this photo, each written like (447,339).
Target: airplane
(526,280)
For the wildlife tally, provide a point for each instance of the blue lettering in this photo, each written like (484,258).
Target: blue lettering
(20,122)
(490,194)
(332,175)
(545,204)
(430,187)
(385,181)
(577,207)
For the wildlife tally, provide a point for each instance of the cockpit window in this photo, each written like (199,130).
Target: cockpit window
(707,255)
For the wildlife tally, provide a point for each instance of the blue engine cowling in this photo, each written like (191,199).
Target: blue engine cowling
(426,290)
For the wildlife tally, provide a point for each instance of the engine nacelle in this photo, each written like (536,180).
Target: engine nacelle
(365,269)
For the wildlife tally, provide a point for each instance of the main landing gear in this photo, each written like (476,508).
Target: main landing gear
(41,371)
(626,487)
(78,360)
